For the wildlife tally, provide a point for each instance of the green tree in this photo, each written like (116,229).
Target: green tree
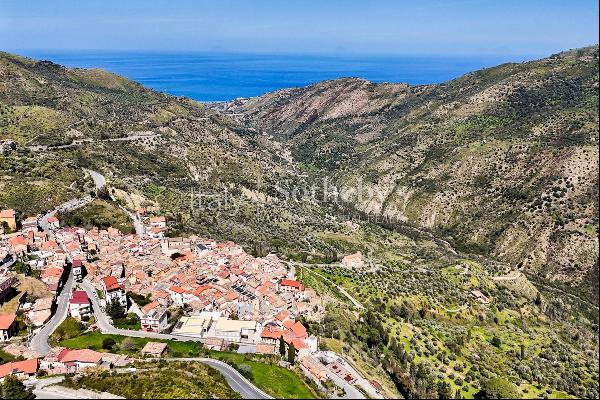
(108,343)
(114,309)
(281,346)
(498,388)
(496,342)
(291,353)
(13,388)
(522,351)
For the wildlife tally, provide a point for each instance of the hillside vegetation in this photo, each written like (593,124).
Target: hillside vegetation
(502,161)
(485,184)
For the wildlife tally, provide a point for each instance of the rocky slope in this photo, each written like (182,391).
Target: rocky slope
(502,161)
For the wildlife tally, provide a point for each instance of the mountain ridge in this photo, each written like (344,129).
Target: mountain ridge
(538,115)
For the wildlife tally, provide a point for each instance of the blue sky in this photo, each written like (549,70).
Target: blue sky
(461,27)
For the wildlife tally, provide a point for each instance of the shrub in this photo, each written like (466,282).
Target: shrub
(108,343)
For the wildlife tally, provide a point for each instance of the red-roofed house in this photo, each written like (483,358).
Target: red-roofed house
(18,244)
(288,285)
(158,222)
(76,360)
(79,305)
(299,330)
(177,293)
(113,291)
(270,334)
(8,327)
(53,223)
(20,369)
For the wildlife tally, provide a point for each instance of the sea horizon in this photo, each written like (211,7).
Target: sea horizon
(221,76)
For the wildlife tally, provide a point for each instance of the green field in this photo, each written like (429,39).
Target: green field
(131,345)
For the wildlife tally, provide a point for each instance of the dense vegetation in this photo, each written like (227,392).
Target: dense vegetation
(176,380)
(98,214)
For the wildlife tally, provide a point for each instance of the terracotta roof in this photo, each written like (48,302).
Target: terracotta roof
(289,282)
(52,219)
(83,355)
(17,241)
(299,330)
(6,321)
(26,366)
(79,297)
(52,271)
(268,333)
(177,289)
(111,283)
(150,306)
(282,315)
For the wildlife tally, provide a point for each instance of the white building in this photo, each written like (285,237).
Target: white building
(113,290)
(79,305)
(155,320)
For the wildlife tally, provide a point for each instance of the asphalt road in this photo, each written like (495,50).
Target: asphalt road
(39,342)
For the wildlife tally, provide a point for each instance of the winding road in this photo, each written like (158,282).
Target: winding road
(39,341)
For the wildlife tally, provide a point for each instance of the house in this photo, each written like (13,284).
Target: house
(77,267)
(76,360)
(8,327)
(52,275)
(314,367)
(29,224)
(8,216)
(79,305)
(154,318)
(177,294)
(113,291)
(53,223)
(20,369)
(18,245)
(480,297)
(158,222)
(288,285)
(271,334)
(154,349)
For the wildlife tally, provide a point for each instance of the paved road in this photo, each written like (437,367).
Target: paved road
(98,178)
(39,341)
(515,275)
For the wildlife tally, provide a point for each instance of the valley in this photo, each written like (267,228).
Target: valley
(449,231)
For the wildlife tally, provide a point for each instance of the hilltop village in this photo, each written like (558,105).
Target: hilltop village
(188,288)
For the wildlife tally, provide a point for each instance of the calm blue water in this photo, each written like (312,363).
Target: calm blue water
(218,77)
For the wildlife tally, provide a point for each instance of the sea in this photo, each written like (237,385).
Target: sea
(211,77)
